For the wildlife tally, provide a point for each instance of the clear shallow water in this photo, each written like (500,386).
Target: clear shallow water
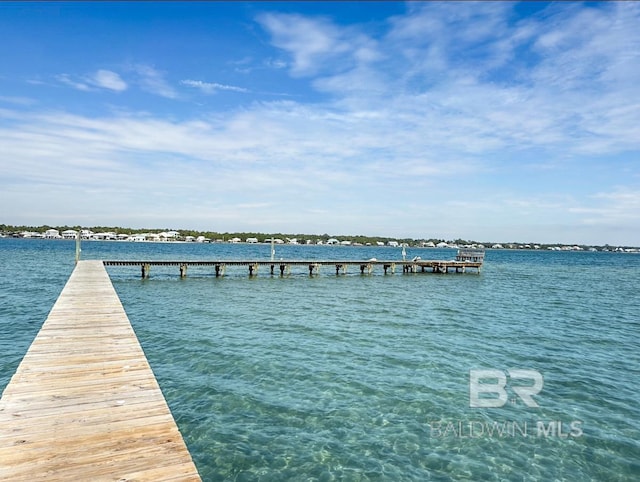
(367,377)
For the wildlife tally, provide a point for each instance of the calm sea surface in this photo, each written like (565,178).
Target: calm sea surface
(368,377)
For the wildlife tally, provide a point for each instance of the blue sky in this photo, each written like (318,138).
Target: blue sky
(493,121)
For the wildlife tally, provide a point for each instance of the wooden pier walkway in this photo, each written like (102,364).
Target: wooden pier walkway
(465,259)
(84,403)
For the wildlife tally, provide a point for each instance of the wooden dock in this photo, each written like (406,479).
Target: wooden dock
(84,403)
(465,259)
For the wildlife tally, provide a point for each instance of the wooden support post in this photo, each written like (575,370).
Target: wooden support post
(78,235)
(368,267)
(183,271)
(253,269)
(272,268)
(145,270)
(314,267)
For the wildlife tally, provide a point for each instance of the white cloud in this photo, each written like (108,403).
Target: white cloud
(107,79)
(212,87)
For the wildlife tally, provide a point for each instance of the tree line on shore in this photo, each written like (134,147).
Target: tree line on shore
(302,238)
(9,230)
(14,230)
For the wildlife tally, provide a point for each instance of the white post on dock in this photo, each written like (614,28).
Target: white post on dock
(404,253)
(273,249)
(78,235)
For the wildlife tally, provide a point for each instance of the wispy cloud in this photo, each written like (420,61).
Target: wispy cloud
(620,206)
(471,76)
(153,81)
(17,100)
(212,87)
(76,84)
(309,41)
(101,79)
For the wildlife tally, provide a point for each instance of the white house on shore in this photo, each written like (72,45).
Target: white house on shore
(31,234)
(105,236)
(52,234)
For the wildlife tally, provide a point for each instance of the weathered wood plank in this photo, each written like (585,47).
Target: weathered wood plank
(84,403)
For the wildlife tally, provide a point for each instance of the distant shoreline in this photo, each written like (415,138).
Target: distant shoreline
(116,233)
(417,245)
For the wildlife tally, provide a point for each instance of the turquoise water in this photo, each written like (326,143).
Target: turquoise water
(367,377)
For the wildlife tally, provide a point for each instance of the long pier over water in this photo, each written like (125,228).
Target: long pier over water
(465,259)
(84,403)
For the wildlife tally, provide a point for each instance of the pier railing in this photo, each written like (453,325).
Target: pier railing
(475,255)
